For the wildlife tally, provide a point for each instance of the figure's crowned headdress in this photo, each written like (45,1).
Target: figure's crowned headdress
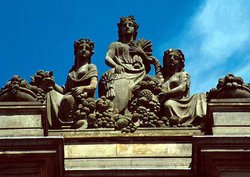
(180,55)
(122,20)
(87,41)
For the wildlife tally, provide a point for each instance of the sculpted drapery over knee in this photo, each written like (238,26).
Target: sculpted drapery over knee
(130,62)
(81,83)
(176,103)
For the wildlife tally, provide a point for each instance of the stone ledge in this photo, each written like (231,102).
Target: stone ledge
(144,134)
(21,105)
(128,163)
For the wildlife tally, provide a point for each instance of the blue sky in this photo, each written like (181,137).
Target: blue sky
(214,35)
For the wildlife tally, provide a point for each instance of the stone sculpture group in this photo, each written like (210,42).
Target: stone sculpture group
(128,97)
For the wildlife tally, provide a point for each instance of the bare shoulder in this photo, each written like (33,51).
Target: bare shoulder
(92,66)
(185,74)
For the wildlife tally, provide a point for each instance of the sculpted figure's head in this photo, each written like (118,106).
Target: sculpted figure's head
(126,27)
(84,49)
(174,59)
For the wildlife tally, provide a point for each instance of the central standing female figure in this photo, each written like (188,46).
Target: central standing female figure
(130,61)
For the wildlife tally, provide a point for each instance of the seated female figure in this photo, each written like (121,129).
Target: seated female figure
(81,82)
(177,105)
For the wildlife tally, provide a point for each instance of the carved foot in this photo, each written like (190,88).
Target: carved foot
(174,121)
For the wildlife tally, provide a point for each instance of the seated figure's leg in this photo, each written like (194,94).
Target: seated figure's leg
(188,111)
(66,107)
(169,107)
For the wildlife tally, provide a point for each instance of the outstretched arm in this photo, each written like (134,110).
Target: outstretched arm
(58,88)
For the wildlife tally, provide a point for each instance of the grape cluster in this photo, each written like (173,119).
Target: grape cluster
(130,128)
(41,96)
(146,109)
(83,107)
(43,80)
(41,83)
(147,118)
(230,81)
(154,107)
(143,98)
(104,120)
(104,115)
(15,83)
(148,83)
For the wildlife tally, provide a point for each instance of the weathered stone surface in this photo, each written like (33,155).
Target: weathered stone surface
(231,118)
(231,123)
(17,89)
(177,105)
(151,150)
(90,150)
(137,151)
(128,150)
(156,115)
(21,132)
(228,117)
(22,119)
(141,132)
(240,130)
(127,163)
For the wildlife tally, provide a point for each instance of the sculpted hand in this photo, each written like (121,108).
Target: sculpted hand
(78,90)
(163,96)
(119,69)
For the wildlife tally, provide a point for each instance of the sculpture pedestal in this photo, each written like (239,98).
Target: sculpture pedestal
(147,152)
(228,117)
(22,119)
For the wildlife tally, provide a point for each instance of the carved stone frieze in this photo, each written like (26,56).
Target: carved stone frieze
(129,98)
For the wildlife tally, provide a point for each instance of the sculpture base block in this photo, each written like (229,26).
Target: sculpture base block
(228,117)
(22,119)
(147,152)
